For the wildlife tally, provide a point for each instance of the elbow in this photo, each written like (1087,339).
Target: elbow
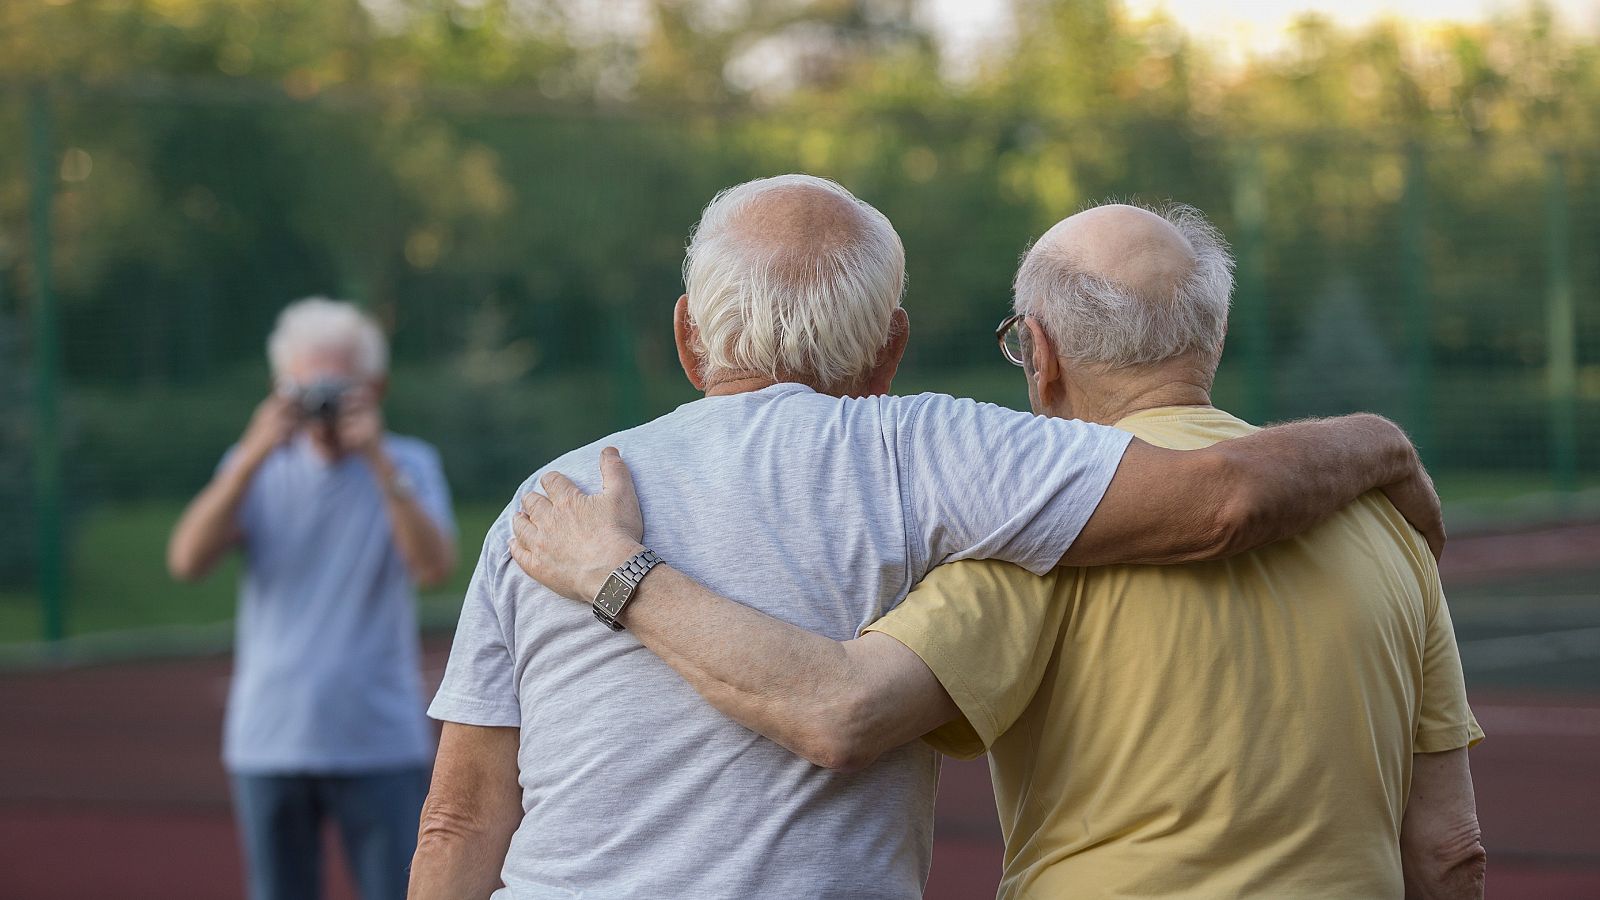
(183,566)
(447,825)
(435,572)
(430,577)
(1462,864)
(1236,519)
(839,752)
(840,739)
(1452,865)
(1475,870)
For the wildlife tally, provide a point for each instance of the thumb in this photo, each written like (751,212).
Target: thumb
(615,479)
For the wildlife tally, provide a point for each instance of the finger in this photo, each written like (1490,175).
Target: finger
(559,487)
(523,530)
(522,558)
(616,480)
(535,504)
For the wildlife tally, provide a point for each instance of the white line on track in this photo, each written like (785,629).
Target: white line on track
(1519,650)
(1545,721)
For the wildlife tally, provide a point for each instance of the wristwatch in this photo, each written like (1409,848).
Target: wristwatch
(620,586)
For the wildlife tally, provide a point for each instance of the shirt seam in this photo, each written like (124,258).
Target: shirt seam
(915,551)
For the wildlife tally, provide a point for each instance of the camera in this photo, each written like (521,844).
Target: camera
(321,398)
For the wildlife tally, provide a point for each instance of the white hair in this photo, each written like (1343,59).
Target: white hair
(818,309)
(1099,322)
(317,323)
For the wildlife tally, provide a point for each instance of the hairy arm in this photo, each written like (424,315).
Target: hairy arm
(1172,506)
(839,704)
(428,553)
(209,526)
(473,808)
(1441,849)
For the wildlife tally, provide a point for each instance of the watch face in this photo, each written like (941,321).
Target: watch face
(612,595)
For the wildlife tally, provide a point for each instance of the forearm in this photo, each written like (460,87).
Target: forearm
(428,553)
(473,808)
(1296,475)
(1441,846)
(825,700)
(208,526)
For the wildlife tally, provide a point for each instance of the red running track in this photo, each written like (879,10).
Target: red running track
(110,786)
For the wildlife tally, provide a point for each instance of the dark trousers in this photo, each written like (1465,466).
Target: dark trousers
(280,823)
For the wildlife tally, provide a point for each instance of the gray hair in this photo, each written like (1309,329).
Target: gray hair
(1098,322)
(317,323)
(818,310)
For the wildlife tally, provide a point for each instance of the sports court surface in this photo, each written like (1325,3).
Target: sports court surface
(110,783)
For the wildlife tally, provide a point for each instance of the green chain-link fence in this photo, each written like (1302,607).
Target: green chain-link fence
(526,258)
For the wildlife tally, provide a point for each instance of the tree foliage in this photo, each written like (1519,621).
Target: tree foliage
(536,164)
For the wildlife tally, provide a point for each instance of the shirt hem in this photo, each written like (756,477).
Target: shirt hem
(978,718)
(325,766)
(472,711)
(1448,737)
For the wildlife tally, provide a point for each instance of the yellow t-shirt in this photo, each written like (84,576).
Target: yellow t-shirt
(1224,729)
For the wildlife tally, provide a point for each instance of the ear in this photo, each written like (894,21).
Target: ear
(1046,366)
(881,378)
(688,340)
(380,388)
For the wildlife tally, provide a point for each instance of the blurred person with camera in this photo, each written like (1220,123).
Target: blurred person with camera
(337,519)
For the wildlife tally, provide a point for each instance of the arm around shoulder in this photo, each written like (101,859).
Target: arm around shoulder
(1171,506)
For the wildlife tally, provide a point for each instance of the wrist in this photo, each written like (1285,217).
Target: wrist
(610,554)
(250,457)
(1401,455)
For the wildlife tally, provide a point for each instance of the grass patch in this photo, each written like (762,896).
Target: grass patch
(117,579)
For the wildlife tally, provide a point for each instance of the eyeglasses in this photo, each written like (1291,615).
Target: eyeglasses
(1010,334)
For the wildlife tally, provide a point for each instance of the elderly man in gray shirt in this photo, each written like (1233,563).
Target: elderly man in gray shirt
(574,762)
(336,519)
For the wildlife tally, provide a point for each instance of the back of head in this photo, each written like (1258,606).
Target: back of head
(793,278)
(1120,286)
(317,325)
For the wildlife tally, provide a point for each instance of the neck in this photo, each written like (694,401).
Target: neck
(1107,399)
(737,383)
(745,382)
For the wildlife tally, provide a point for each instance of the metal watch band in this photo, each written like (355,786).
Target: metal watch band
(620,586)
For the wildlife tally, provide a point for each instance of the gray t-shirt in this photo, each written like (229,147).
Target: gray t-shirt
(819,511)
(326,676)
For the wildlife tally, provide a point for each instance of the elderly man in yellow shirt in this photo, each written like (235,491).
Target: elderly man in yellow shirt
(1288,723)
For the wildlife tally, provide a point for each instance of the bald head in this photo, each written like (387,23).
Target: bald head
(800,220)
(793,277)
(1125,245)
(1118,285)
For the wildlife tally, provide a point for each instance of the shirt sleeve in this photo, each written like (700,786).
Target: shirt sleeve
(480,684)
(987,630)
(1446,721)
(432,489)
(980,481)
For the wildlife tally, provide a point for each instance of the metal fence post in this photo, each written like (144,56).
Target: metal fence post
(1419,312)
(1561,366)
(1250,302)
(46,368)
